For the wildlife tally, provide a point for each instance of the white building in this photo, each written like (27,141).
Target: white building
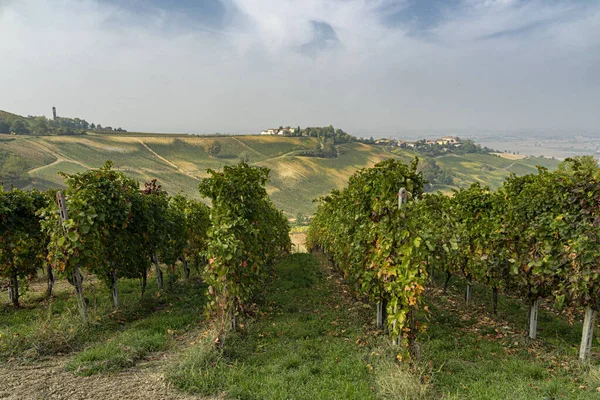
(277,131)
(448,140)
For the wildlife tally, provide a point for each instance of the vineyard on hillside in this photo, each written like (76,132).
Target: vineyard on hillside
(105,276)
(536,237)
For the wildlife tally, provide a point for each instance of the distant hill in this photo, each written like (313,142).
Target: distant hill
(179,161)
(9,117)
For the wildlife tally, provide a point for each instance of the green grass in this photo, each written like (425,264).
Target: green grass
(310,342)
(492,160)
(478,356)
(299,229)
(272,146)
(308,339)
(113,339)
(120,352)
(192,153)
(34,155)
(488,169)
(153,333)
(94,151)
(49,175)
(295,181)
(313,341)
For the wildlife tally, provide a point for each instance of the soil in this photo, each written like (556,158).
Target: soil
(50,380)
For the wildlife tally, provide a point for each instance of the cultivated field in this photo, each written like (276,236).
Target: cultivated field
(179,161)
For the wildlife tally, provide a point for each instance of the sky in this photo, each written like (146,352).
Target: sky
(370,67)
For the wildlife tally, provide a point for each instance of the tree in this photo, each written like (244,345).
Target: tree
(577,225)
(19,127)
(40,126)
(4,127)
(329,149)
(244,157)
(215,148)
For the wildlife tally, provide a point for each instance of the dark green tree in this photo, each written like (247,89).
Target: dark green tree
(19,127)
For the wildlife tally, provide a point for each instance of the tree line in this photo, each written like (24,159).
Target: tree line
(43,126)
(467,146)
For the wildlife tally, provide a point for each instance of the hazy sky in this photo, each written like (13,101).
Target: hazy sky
(367,66)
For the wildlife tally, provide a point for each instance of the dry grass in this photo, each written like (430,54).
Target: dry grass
(299,241)
(592,377)
(395,381)
(509,156)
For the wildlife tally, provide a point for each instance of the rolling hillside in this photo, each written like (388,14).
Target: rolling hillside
(179,161)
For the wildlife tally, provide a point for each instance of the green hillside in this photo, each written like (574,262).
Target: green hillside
(9,117)
(179,161)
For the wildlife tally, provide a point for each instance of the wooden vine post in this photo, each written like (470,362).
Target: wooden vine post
(232,320)
(533,317)
(402,199)
(159,275)
(468,293)
(76,274)
(381,314)
(186,269)
(114,291)
(589,321)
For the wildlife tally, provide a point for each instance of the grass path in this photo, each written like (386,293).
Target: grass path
(58,155)
(53,163)
(308,342)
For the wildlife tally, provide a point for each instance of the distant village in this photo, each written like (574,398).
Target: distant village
(447,141)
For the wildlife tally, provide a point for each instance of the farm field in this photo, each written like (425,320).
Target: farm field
(179,161)
(309,339)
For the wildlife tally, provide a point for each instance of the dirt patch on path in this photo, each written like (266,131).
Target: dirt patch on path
(49,380)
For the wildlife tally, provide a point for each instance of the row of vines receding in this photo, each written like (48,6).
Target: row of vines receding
(104,225)
(247,234)
(537,237)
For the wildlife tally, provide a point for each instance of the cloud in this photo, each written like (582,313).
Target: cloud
(369,66)
(324,39)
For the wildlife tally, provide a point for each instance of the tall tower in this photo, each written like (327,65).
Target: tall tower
(54,112)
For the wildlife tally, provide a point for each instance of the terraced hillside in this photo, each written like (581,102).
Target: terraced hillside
(179,161)
(489,169)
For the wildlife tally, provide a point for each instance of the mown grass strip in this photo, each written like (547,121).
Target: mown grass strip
(308,343)
(475,355)
(156,332)
(43,327)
